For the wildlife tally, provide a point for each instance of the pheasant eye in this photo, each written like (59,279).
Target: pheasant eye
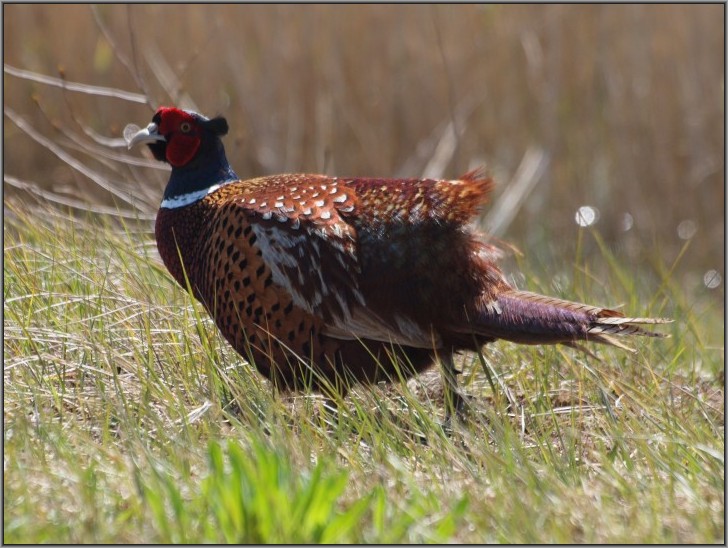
(185,127)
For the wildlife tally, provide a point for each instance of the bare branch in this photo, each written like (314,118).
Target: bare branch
(74,86)
(529,172)
(49,196)
(133,70)
(97,178)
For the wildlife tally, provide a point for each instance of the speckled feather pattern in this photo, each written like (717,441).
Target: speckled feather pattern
(314,278)
(286,265)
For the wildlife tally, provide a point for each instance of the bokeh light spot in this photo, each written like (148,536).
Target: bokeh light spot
(687,229)
(627,222)
(712,279)
(586,215)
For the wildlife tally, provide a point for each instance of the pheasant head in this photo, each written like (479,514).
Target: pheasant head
(192,145)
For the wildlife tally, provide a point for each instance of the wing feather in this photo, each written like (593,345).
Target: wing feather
(312,252)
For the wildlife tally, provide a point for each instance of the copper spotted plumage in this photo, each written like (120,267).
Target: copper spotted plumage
(322,282)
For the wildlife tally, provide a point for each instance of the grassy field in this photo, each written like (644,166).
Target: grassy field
(128,419)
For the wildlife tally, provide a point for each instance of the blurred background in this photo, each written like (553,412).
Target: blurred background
(601,118)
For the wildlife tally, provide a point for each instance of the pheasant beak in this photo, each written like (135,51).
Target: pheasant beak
(150,134)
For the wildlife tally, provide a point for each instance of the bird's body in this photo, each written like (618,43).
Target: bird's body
(322,282)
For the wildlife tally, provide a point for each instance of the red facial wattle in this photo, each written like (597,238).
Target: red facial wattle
(182,133)
(182,148)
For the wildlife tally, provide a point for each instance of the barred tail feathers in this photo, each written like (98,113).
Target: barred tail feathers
(530,318)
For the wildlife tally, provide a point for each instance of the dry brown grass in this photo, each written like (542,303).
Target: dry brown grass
(626,101)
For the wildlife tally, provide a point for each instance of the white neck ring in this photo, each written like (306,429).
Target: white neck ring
(186,199)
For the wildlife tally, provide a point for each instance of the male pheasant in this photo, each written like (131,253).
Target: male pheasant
(321,282)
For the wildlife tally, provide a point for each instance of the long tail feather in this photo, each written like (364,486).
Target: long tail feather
(530,318)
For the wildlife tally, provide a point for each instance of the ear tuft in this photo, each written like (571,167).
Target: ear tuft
(217,125)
